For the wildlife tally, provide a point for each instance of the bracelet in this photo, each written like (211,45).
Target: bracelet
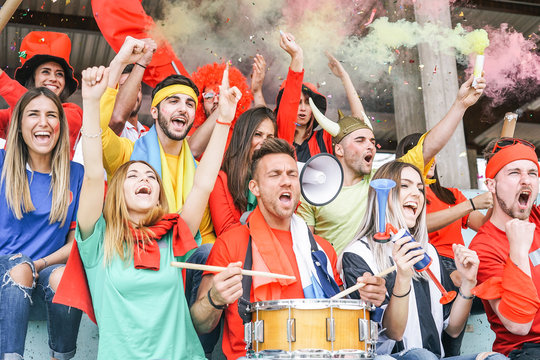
(90,136)
(465,297)
(472,204)
(218,307)
(45,261)
(222,123)
(402,296)
(144,67)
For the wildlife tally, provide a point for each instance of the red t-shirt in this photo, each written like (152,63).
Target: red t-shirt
(443,238)
(231,246)
(224,214)
(493,249)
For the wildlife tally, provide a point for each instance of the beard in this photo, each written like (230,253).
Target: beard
(513,213)
(163,124)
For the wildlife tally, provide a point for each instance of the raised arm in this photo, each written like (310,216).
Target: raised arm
(357,110)
(441,133)
(257,80)
(117,150)
(94,82)
(439,219)
(207,171)
(129,90)
(290,100)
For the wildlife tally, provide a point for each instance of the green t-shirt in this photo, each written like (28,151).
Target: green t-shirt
(141,314)
(339,220)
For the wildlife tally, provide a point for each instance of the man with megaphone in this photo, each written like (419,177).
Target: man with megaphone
(274,240)
(354,146)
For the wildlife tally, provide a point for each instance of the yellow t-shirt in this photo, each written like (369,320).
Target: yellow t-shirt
(117,151)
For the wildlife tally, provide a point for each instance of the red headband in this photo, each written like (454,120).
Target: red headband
(507,155)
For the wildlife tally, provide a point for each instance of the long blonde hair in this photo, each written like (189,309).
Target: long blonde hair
(14,175)
(119,238)
(394,215)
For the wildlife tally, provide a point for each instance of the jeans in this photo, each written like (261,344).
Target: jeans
(193,280)
(495,356)
(19,303)
(423,354)
(411,354)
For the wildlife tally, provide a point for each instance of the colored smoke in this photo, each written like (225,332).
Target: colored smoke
(356,32)
(512,64)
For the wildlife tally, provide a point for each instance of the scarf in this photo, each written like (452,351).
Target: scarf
(73,289)
(149,149)
(146,253)
(268,255)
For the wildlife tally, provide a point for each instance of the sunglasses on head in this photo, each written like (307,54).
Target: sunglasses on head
(505,142)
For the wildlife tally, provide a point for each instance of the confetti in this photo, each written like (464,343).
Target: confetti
(435,70)
(378,146)
(371,17)
(461,14)
(411,61)
(421,66)
(463,154)
(227,20)
(390,70)
(67,2)
(22,54)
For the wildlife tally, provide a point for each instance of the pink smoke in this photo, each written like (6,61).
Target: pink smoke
(510,62)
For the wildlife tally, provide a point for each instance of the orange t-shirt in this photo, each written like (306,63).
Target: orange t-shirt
(231,246)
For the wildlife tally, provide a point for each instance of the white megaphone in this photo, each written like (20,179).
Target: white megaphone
(321,179)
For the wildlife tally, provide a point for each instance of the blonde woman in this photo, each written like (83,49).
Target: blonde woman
(39,194)
(138,298)
(413,319)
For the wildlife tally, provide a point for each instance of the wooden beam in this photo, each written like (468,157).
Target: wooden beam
(521,7)
(62,21)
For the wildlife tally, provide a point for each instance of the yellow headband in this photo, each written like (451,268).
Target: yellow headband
(174,89)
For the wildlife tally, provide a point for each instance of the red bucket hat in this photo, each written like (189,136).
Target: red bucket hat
(39,47)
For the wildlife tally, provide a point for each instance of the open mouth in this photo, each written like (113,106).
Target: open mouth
(523,198)
(143,189)
(42,137)
(179,121)
(285,198)
(410,207)
(368,158)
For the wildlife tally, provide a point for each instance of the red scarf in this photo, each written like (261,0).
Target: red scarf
(268,256)
(146,256)
(73,289)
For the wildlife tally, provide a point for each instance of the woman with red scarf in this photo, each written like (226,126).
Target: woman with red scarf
(137,297)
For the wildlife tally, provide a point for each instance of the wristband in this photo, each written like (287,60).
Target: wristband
(93,136)
(472,204)
(465,297)
(402,296)
(222,123)
(218,307)
(144,67)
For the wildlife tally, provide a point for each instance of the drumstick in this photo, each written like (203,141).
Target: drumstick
(221,268)
(361,285)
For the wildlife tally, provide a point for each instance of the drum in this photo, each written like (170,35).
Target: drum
(311,329)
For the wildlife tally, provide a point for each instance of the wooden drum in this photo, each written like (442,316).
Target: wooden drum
(312,328)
